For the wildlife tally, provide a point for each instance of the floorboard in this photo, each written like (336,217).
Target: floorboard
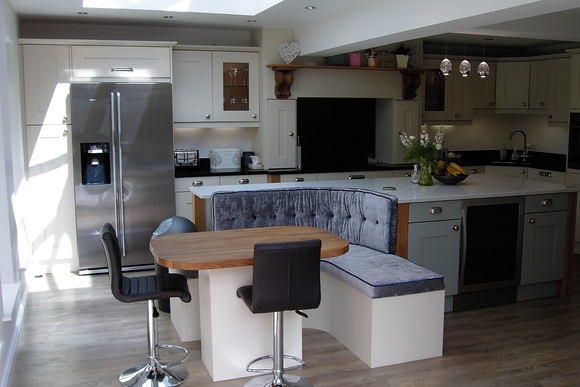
(76,334)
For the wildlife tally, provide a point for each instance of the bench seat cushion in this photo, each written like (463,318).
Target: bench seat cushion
(379,275)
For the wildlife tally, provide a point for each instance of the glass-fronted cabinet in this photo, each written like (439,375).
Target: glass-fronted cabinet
(236,86)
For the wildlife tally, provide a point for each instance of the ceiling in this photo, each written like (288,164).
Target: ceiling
(547,33)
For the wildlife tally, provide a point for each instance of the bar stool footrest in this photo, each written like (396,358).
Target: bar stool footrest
(175,363)
(270,370)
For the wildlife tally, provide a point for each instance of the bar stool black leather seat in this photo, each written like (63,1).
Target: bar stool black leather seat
(286,276)
(146,288)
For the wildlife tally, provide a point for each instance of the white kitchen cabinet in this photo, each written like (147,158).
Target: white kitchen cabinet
(47,75)
(447,98)
(353,175)
(297,177)
(575,81)
(512,85)
(558,91)
(243,179)
(573,180)
(507,171)
(538,92)
(183,198)
(544,238)
(393,118)
(281,134)
(546,175)
(216,86)
(116,63)
(484,88)
(434,241)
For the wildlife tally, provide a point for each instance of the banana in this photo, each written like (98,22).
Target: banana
(454,169)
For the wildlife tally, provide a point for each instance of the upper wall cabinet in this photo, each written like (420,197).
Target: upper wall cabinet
(215,86)
(512,85)
(558,91)
(447,98)
(575,81)
(46,71)
(484,94)
(121,63)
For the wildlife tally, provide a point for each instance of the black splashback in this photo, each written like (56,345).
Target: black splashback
(336,132)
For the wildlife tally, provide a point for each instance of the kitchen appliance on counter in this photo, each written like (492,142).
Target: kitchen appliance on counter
(123,168)
(186,157)
(225,159)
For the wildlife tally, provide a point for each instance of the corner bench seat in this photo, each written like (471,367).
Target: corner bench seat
(382,307)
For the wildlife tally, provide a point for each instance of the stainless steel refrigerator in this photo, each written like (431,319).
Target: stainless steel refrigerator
(123,168)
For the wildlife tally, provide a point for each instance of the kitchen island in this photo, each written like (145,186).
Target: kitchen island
(545,247)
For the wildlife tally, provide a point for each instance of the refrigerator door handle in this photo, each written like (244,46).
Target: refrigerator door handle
(118,168)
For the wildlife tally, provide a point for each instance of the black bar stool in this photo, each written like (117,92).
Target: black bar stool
(286,277)
(146,288)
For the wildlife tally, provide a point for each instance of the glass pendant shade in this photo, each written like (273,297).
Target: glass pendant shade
(445,66)
(465,68)
(483,69)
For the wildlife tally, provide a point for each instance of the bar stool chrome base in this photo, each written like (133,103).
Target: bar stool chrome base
(148,376)
(287,381)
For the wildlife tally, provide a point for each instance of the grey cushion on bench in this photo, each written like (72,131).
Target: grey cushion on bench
(361,217)
(381,275)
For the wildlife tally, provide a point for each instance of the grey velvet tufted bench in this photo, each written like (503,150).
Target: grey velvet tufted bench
(385,309)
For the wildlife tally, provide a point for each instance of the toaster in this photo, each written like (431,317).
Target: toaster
(186,157)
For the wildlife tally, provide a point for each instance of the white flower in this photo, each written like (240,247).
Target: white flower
(412,138)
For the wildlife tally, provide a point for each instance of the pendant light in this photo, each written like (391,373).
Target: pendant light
(465,66)
(483,68)
(445,65)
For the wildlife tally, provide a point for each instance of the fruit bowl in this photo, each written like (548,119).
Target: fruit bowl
(450,180)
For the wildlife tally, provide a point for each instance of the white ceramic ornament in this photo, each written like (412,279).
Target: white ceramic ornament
(288,51)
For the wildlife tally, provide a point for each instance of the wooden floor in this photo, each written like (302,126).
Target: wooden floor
(77,334)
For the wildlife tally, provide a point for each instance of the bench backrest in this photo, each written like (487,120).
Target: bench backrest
(362,217)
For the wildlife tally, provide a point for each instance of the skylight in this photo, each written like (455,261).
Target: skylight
(224,7)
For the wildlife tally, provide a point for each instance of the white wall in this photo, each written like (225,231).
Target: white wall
(12,289)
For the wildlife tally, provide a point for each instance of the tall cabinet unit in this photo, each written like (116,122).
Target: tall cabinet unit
(282,139)
(215,86)
(50,222)
(393,118)
(575,80)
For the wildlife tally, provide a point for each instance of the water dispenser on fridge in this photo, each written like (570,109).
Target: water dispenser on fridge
(95,163)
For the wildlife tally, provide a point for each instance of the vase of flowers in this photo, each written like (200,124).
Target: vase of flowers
(371,55)
(423,152)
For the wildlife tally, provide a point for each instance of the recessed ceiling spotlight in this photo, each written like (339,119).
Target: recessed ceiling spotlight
(310,7)
(167,17)
(82,13)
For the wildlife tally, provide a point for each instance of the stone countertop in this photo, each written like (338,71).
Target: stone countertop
(477,186)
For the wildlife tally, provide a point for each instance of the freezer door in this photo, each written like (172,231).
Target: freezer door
(131,184)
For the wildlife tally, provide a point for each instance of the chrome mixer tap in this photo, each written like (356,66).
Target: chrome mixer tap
(525,149)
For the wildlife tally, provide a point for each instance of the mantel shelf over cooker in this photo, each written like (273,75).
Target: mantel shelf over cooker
(285,77)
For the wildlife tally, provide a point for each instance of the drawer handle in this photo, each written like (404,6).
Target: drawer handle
(545,174)
(547,202)
(298,179)
(128,69)
(355,177)
(435,210)
(522,172)
(407,174)
(197,183)
(244,181)
(474,171)
(531,221)
(455,227)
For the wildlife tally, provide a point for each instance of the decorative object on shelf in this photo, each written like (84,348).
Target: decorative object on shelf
(483,68)
(416,56)
(402,55)
(424,152)
(354,59)
(288,51)
(465,66)
(371,54)
(445,65)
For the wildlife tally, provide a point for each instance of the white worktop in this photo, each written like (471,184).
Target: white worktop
(476,186)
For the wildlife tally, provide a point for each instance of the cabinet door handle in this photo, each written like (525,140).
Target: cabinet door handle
(407,174)
(522,172)
(129,69)
(531,221)
(298,179)
(244,181)
(355,177)
(547,202)
(456,115)
(524,104)
(455,227)
(542,104)
(291,134)
(545,174)
(254,115)
(197,183)
(207,116)
(435,210)
(474,171)
(550,116)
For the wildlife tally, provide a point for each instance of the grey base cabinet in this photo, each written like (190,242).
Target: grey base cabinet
(434,241)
